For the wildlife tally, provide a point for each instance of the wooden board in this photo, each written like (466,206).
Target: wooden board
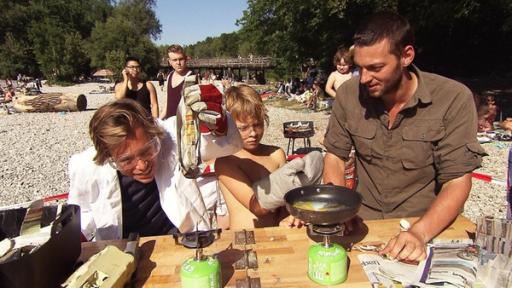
(281,252)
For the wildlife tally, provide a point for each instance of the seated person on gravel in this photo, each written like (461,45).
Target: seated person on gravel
(487,111)
(255,179)
(131,181)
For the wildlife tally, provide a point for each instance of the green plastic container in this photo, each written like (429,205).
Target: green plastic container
(327,265)
(203,273)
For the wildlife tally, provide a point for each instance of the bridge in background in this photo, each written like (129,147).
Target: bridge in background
(253,67)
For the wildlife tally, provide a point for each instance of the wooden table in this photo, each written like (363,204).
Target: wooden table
(281,252)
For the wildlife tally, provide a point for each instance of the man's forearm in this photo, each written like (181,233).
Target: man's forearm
(445,208)
(334,170)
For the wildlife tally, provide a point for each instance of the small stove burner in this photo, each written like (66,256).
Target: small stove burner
(197,239)
(327,230)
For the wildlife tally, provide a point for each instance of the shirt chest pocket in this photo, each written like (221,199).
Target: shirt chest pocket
(418,143)
(363,136)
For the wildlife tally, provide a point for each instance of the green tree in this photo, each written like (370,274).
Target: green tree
(58,50)
(50,34)
(462,36)
(13,53)
(225,45)
(128,31)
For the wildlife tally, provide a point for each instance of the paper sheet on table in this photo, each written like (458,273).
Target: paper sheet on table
(494,236)
(451,263)
(382,272)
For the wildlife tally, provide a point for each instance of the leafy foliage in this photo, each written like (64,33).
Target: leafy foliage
(463,37)
(225,45)
(62,39)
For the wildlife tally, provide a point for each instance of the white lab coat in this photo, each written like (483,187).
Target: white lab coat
(97,191)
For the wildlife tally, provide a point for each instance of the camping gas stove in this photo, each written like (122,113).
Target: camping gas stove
(327,261)
(201,270)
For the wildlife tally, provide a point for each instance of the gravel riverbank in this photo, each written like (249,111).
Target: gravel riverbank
(36,148)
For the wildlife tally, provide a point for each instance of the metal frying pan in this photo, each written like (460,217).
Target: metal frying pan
(336,204)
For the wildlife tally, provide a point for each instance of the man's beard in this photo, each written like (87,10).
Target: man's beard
(393,84)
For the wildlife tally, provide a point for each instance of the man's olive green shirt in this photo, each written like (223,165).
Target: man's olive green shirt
(400,170)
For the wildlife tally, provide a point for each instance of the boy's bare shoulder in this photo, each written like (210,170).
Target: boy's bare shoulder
(271,149)
(276,153)
(229,158)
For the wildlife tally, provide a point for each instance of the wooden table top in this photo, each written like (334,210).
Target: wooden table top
(281,252)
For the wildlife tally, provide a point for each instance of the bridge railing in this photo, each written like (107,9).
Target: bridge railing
(241,62)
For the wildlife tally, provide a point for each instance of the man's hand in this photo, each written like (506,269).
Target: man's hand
(291,222)
(410,245)
(206,100)
(407,245)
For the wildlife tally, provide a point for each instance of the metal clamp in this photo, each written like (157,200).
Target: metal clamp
(244,237)
(248,261)
(248,282)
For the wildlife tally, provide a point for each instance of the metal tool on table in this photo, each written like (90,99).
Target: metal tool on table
(202,270)
(325,208)
(249,259)
(110,267)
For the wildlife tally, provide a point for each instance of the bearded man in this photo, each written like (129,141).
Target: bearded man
(414,134)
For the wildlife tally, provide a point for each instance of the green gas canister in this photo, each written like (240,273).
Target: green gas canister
(201,273)
(327,264)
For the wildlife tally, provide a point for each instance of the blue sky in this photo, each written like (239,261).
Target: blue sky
(189,21)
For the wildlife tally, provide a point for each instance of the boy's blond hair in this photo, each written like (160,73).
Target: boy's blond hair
(244,102)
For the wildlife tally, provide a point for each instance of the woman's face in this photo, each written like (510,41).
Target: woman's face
(251,131)
(133,68)
(342,67)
